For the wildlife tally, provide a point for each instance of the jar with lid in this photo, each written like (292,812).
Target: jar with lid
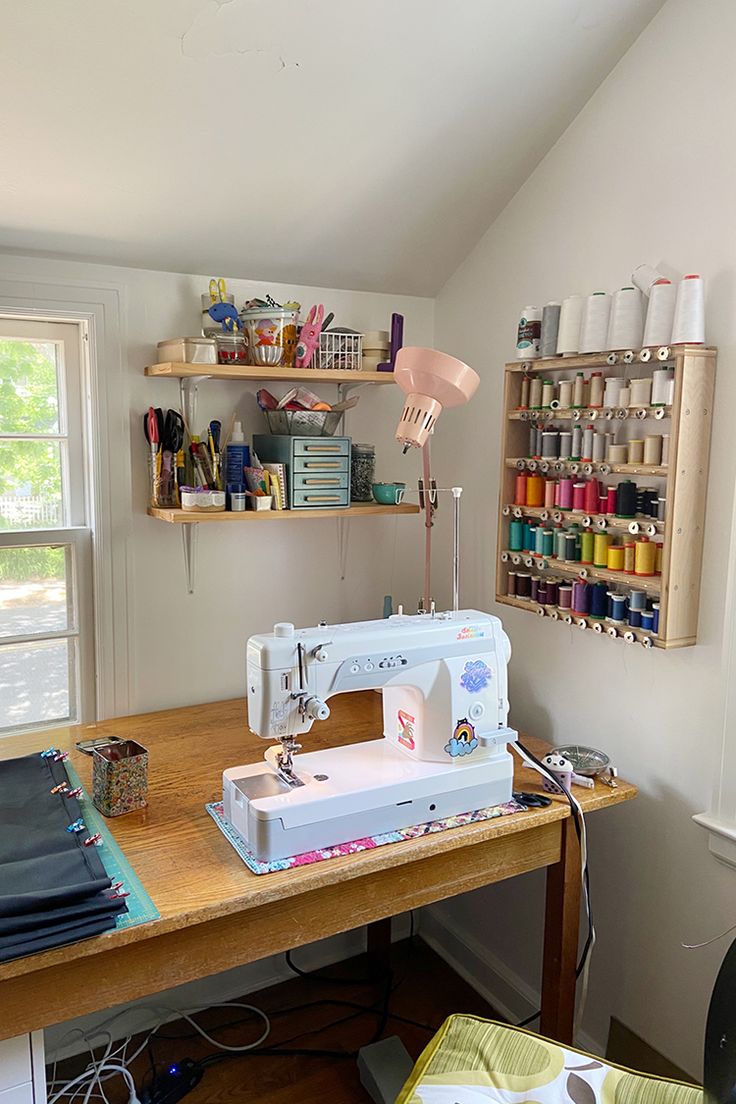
(362,472)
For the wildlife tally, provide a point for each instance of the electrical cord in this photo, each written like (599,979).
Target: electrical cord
(583,966)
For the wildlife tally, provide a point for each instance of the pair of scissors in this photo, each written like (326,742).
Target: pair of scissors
(531,800)
(172,439)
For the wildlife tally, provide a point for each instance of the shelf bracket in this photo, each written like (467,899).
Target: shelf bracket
(188,387)
(189,534)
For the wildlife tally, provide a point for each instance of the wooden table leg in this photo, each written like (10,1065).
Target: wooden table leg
(378,944)
(561,931)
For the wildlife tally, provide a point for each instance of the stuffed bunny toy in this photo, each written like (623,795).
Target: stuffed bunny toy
(309,337)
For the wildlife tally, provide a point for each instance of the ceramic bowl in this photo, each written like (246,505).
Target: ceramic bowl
(389,494)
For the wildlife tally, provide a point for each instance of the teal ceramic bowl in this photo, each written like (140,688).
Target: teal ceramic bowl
(389,494)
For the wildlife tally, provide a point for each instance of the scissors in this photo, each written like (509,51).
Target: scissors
(532,800)
(172,439)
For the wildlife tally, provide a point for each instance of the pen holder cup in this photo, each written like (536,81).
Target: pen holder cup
(119,777)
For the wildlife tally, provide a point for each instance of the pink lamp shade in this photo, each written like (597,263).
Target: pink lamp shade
(431,381)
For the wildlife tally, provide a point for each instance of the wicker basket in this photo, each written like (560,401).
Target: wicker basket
(303,423)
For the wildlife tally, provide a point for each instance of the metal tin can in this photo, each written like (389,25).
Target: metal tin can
(119,777)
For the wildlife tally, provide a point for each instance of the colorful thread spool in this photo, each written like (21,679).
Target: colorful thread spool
(571,549)
(578,496)
(645,560)
(524,398)
(534,588)
(658,560)
(565,444)
(596,390)
(520,490)
(560,543)
(598,601)
(655,617)
(635,453)
(592,496)
(523,584)
(534,490)
(629,557)
(565,498)
(564,596)
(625,499)
(552,590)
(615,557)
(565,394)
(587,544)
(539,541)
(611,500)
(600,549)
(634,618)
(618,608)
(550,493)
(647,620)
(511,584)
(516,535)
(637,600)
(550,444)
(548,542)
(580,598)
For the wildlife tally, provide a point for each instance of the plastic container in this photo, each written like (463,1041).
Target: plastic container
(303,423)
(232,348)
(271,336)
(362,472)
(187,350)
(237,456)
(528,334)
(203,500)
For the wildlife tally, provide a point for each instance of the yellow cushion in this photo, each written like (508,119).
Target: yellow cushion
(475,1061)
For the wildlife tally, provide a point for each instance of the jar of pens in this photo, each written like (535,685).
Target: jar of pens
(191,477)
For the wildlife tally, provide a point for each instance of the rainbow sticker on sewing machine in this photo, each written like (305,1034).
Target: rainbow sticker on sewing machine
(476,676)
(463,739)
(405,734)
(471,632)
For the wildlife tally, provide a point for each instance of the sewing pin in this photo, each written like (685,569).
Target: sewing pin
(95,840)
(76,826)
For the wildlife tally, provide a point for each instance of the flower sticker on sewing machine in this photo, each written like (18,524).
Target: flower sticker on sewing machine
(463,739)
(476,676)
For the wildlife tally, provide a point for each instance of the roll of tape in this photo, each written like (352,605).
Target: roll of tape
(663,353)
(611,358)
(645,356)
(598,628)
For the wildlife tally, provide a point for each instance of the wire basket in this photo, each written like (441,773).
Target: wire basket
(339,351)
(303,423)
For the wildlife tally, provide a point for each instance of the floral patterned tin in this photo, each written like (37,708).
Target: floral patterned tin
(119,777)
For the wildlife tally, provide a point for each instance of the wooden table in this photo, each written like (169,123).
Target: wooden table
(216,914)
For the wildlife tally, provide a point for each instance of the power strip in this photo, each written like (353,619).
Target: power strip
(174,1084)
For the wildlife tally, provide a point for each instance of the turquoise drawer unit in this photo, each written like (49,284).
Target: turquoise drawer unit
(317,468)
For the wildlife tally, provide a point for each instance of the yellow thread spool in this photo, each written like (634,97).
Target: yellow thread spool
(586,546)
(534,490)
(615,557)
(645,560)
(635,451)
(629,557)
(600,549)
(658,561)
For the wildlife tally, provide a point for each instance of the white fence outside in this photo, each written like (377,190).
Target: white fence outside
(30,512)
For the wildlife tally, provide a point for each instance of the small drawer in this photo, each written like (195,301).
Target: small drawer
(319,499)
(337,481)
(303,464)
(321,446)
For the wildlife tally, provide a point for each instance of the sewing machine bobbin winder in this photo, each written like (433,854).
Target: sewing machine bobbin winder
(445,734)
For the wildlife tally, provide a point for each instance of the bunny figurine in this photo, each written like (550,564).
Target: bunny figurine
(309,337)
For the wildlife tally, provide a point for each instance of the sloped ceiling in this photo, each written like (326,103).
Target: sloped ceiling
(341,143)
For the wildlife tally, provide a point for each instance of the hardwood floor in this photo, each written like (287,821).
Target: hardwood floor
(425,990)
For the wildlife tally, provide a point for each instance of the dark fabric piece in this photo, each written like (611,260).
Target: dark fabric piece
(97,906)
(69,934)
(42,866)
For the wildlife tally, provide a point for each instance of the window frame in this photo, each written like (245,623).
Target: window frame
(28,291)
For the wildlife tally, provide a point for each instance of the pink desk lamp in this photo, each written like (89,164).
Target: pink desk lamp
(431,381)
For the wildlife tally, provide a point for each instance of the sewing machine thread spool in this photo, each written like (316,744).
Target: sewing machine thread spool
(596,390)
(599,447)
(523,584)
(658,558)
(660,380)
(550,328)
(626,499)
(598,600)
(552,591)
(534,490)
(587,444)
(535,393)
(548,393)
(617,609)
(534,588)
(612,390)
(587,544)
(615,557)
(629,557)
(665,458)
(637,600)
(578,496)
(635,454)
(539,541)
(592,496)
(516,535)
(647,620)
(520,489)
(641,392)
(634,618)
(655,617)
(578,390)
(550,493)
(603,501)
(565,444)
(653,449)
(548,542)
(565,394)
(531,543)
(566,490)
(580,598)
(524,397)
(577,442)
(550,444)
(661,509)
(564,596)
(600,549)
(645,558)
(511,584)
(571,548)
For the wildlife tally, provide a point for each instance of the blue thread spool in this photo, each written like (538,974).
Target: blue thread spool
(618,608)
(516,535)
(599,601)
(637,600)
(532,534)
(634,618)
(539,541)
(655,617)
(647,620)
(548,542)
(526,545)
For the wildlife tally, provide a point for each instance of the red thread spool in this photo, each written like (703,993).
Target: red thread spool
(520,490)
(611,500)
(578,496)
(566,493)
(592,495)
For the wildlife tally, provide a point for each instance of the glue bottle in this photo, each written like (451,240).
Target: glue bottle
(238,456)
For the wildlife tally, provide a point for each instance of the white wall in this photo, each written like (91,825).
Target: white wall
(645,173)
(186,649)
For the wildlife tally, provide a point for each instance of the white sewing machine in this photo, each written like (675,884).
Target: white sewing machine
(444,750)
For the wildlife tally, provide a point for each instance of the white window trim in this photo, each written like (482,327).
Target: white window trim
(720,820)
(98,310)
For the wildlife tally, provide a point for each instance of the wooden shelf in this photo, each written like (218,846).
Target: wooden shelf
(358,509)
(652,584)
(578,620)
(257,374)
(543,413)
(600,360)
(613,469)
(612,522)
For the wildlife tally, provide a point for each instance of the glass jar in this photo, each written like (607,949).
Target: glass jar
(362,472)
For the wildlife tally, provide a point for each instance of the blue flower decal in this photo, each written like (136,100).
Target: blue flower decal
(463,741)
(475,676)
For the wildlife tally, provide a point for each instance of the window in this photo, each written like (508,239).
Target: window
(46,625)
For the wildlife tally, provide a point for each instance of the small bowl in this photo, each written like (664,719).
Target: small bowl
(267,355)
(389,494)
